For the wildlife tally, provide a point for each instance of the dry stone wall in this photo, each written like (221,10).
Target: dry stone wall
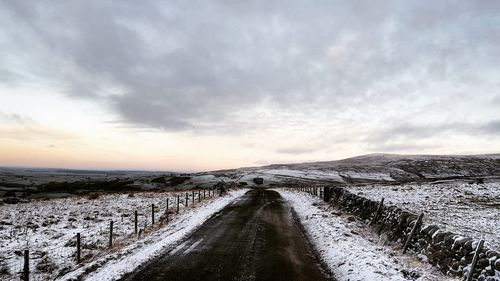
(450,252)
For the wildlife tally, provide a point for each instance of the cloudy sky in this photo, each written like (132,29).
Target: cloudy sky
(201,85)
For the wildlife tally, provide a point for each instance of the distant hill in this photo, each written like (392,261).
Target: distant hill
(371,168)
(381,168)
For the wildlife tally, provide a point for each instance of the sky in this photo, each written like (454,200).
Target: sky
(205,85)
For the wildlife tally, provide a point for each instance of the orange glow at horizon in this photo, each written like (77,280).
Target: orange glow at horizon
(28,155)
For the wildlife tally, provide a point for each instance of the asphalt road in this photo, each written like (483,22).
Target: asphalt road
(255,238)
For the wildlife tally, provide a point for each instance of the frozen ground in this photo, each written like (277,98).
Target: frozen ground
(469,209)
(350,249)
(48,229)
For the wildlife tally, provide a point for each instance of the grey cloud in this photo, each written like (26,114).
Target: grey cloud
(296,150)
(496,100)
(491,128)
(411,138)
(15,118)
(180,65)
(397,147)
(411,131)
(26,129)
(7,76)
(407,133)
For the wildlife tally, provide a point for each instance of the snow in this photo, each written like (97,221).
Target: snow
(368,176)
(48,228)
(159,243)
(466,209)
(350,249)
(305,174)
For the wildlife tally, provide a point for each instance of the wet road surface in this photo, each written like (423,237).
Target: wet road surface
(255,238)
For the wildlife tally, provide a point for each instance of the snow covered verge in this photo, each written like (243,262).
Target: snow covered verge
(467,209)
(350,249)
(48,229)
(452,253)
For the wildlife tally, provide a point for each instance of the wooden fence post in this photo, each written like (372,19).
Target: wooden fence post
(78,248)
(379,209)
(26,268)
(203,193)
(187,199)
(326,194)
(135,221)
(178,199)
(152,214)
(167,205)
(479,247)
(110,244)
(199,197)
(414,228)
(192,201)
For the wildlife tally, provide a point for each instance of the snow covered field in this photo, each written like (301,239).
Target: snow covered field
(472,210)
(48,230)
(350,249)
(305,174)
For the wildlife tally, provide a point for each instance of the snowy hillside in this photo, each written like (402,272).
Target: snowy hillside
(389,168)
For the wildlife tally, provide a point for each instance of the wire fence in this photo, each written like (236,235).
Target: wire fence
(49,229)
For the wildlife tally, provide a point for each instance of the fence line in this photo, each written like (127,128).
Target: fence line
(116,231)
